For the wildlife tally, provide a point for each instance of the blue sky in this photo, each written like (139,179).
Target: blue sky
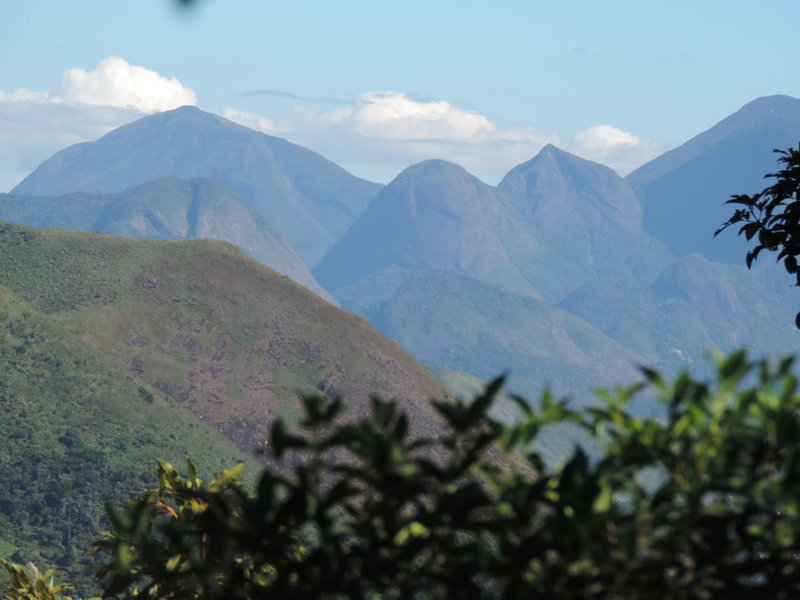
(376,86)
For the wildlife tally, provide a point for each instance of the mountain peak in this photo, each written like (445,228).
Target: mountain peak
(432,216)
(434,167)
(776,112)
(309,199)
(769,106)
(684,190)
(552,157)
(555,164)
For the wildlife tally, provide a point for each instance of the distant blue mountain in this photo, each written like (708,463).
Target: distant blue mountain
(683,191)
(309,199)
(433,216)
(448,320)
(166,209)
(587,220)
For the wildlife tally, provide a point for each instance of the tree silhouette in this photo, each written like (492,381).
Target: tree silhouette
(772,216)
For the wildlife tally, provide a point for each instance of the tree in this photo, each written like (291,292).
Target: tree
(702,502)
(772,216)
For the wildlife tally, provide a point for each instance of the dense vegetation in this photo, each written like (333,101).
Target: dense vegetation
(78,432)
(104,344)
(702,502)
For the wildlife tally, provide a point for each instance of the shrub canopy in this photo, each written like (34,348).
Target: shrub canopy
(702,502)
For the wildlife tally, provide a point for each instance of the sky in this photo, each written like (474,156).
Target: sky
(377,86)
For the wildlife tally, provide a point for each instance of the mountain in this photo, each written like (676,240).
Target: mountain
(310,200)
(433,216)
(448,320)
(115,351)
(683,191)
(227,337)
(586,218)
(166,209)
(692,308)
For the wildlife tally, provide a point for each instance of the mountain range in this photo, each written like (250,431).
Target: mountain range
(564,275)
(167,209)
(558,229)
(309,199)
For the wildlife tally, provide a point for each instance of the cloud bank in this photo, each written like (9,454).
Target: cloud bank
(114,82)
(384,131)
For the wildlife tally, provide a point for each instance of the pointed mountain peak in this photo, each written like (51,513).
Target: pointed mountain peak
(560,169)
(550,150)
(555,160)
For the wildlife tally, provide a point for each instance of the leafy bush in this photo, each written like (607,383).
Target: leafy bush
(701,503)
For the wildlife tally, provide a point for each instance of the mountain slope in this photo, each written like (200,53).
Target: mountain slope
(79,431)
(115,351)
(448,320)
(166,209)
(309,199)
(432,216)
(585,217)
(227,337)
(692,308)
(683,191)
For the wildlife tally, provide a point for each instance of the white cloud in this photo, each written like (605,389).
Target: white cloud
(114,82)
(253,121)
(392,115)
(83,106)
(383,132)
(618,149)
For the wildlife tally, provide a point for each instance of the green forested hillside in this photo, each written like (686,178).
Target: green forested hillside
(78,431)
(105,342)
(227,337)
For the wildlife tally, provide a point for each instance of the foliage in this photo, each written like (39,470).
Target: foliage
(30,584)
(701,503)
(773,216)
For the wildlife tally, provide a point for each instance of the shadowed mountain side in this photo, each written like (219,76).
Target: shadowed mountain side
(446,319)
(693,307)
(166,209)
(433,216)
(683,191)
(230,339)
(587,218)
(309,199)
